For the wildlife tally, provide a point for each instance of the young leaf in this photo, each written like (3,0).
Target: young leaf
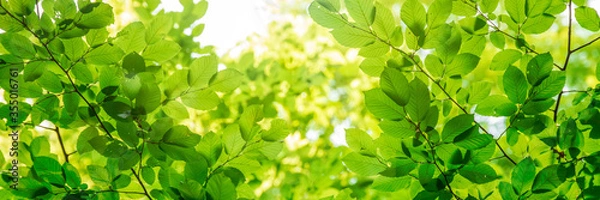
(352,37)
(385,23)
(539,68)
(462,64)
(374,66)
(96,15)
(382,106)
(478,174)
(549,178)
(278,131)
(248,119)
(232,137)
(391,184)
(359,141)
(505,58)
(18,45)
(181,136)
(539,24)
(176,110)
(158,28)
(362,11)
(516,9)
(205,99)
(400,129)
(515,85)
(456,126)
(325,17)
(588,18)
(104,55)
(418,104)
(471,139)
(395,85)
(522,175)
(132,38)
(161,51)
(537,7)
(438,12)
(201,71)
(550,86)
(413,15)
(221,187)
(226,80)
(363,165)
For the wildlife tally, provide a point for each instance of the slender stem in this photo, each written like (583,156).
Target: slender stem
(585,45)
(62,145)
(141,183)
(569,52)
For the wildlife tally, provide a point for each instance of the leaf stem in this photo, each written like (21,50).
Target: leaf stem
(62,145)
(141,183)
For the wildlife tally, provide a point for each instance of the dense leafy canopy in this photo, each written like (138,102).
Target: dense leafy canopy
(449,100)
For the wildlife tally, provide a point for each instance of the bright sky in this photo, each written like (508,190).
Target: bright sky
(228,22)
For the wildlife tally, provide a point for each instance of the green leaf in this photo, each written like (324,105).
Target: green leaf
(474,25)
(148,175)
(121,181)
(132,38)
(569,135)
(537,7)
(128,160)
(478,174)
(598,71)
(418,104)
(148,98)
(462,64)
(232,137)
(71,175)
(211,147)
(385,23)
(134,64)
(375,49)
(539,68)
(18,45)
(373,66)
(359,141)
(181,136)
(588,18)
(496,105)
(74,48)
(352,37)
(438,12)
(472,139)
(363,165)
(191,189)
(413,15)
(176,110)
(395,85)
(221,187)
(478,91)
(498,40)
(248,119)
(96,37)
(391,184)
(278,131)
(161,51)
(506,191)
(505,58)
(382,106)
(539,24)
(550,86)
(522,175)
(400,129)
(549,178)
(456,126)
(99,174)
(82,74)
(537,106)
(324,16)
(49,170)
(515,85)
(83,145)
(128,132)
(362,11)
(426,172)
(205,99)
(22,7)
(434,65)
(201,71)
(104,55)
(99,16)
(516,9)
(159,27)
(226,80)
(34,70)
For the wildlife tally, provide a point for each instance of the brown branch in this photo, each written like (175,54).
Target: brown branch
(141,183)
